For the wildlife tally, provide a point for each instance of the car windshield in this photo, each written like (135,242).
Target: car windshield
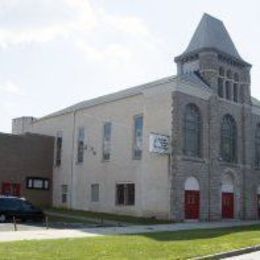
(10,204)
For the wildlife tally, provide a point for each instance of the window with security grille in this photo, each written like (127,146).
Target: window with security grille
(80,150)
(58,148)
(125,194)
(107,128)
(192,131)
(138,137)
(228,139)
(94,192)
(64,193)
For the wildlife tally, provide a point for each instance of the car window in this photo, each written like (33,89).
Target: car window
(27,205)
(10,204)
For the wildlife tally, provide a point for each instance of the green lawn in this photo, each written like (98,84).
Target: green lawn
(113,217)
(165,245)
(55,219)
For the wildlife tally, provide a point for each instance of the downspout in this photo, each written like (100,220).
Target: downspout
(72,158)
(210,161)
(244,162)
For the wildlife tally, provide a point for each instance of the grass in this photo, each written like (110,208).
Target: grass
(164,245)
(113,217)
(55,219)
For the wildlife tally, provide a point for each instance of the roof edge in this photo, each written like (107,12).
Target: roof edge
(185,55)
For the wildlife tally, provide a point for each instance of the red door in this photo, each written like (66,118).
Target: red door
(11,189)
(227,205)
(258,205)
(192,204)
(6,188)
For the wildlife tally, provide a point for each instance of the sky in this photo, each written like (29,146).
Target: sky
(57,53)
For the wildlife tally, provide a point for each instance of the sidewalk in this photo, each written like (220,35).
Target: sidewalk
(93,232)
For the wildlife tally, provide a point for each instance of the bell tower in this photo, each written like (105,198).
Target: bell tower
(212,55)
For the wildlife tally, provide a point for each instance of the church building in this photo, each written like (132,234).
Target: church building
(185,147)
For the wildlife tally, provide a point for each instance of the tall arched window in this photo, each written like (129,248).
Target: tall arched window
(221,72)
(257,146)
(236,77)
(220,87)
(228,139)
(228,90)
(192,131)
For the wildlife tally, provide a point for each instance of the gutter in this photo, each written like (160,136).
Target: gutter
(72,159)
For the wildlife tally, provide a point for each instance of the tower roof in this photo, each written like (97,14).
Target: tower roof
(211,33)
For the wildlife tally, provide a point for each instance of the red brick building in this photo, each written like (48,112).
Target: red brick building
(26,167)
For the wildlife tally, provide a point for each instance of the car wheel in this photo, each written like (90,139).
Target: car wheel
(2,218)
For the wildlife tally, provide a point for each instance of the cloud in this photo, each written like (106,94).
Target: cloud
(12,88)
(126,24)
(30,21)
(39,21)
(111,52)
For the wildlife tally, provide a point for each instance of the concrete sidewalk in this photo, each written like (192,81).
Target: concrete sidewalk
(92,232)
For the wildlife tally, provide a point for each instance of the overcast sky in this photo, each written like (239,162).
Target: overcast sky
(57,53)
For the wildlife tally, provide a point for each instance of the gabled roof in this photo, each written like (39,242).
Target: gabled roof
(190,79)
(211,33)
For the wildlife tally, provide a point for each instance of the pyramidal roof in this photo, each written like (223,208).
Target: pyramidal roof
(212,34)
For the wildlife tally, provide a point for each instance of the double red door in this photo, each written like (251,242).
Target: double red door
(192,204)
(11,189)
(227,205)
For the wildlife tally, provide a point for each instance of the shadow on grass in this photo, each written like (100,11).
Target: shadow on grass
(197,233)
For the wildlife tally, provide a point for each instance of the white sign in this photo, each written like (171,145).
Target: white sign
(159,143)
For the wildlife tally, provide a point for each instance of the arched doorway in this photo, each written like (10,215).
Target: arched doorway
(192,198)
(258,201)
(227,197)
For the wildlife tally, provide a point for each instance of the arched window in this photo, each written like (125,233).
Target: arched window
(220,87)
(236,77)
(192,131)
(221,72)
(257,146)
(228,139)
(228,90)
(235,92)
(241,94)
(229,74)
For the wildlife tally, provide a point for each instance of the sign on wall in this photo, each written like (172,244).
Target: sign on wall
(159,143)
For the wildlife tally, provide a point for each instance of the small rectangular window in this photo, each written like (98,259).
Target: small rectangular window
(37,183)
(125,194)
(94,192)
(80,151)
(138,137)
(58,148)
(64,193)
(106,141)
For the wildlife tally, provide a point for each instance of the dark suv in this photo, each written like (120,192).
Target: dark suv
(19,208)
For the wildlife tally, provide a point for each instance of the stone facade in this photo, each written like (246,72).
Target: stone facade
(23,157)
(161,180)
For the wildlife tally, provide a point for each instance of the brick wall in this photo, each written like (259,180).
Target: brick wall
(23,156)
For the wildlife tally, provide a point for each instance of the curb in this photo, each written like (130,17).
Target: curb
(224,255)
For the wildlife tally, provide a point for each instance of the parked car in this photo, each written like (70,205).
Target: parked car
(19,208)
